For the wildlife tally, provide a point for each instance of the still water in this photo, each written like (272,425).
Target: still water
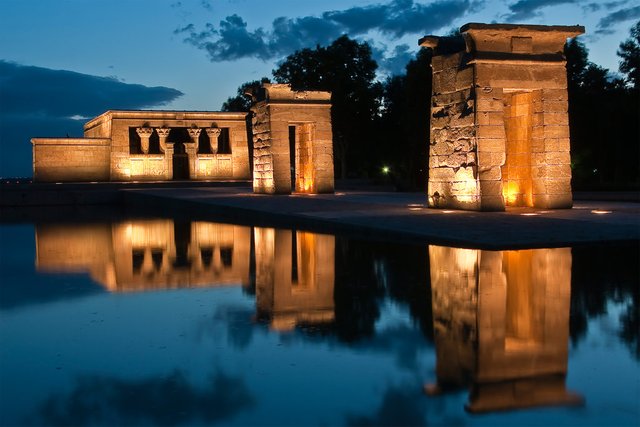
(173,322)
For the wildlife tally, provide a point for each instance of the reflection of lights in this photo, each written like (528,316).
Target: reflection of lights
(600,212)
(386,170)
(415,209)
(339,194)
(448,211)
(529,214)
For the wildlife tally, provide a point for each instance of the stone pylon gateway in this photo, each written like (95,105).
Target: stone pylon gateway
(292,141)
(499,121)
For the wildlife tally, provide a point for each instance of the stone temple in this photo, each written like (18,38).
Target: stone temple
(499,121)
(148,146)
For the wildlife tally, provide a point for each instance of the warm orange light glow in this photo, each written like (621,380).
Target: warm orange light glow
(600,212)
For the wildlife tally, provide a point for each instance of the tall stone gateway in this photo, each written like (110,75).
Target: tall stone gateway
(499,122)
(292,141)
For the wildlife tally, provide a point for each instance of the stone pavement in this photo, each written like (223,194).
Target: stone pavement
(400,216)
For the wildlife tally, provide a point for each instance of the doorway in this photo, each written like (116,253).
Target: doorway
(301,157)
(516,172)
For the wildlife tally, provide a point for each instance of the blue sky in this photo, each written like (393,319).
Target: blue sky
(66,60)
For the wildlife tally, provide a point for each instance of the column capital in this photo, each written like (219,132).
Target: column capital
(163,132)
(213,132)
(194,132)
(144,132)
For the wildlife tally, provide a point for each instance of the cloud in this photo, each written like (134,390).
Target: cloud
(523,10)
(40,101)
(595,7)
(606,24)
(60,93)
(232,39)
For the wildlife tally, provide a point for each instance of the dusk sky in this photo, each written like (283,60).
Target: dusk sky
(64,61)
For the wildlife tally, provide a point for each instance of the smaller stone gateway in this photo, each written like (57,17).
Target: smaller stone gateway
(499,121)
(292,141)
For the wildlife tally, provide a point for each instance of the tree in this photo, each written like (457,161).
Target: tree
(629,51)
(242,101)
(347,70)
(405,122)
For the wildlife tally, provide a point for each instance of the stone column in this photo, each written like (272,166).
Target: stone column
(163,134)
(144,133)
(213,134)
(168,160)
(192,150)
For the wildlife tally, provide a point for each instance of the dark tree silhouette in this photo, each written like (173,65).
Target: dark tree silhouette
(347,70)
(242,101)
(629,51)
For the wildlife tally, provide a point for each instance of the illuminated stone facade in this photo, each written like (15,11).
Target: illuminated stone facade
(499,122)
(501,325)
(148,145)
(292,141)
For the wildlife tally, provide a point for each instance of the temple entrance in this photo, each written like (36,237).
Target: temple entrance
(301,157)
(516,172)
(180,162)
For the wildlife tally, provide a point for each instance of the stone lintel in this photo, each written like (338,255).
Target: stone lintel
(72,141)
(282,93)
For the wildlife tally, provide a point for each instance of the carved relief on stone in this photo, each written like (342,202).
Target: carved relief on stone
(163,134)
(301,95)
(144,133)
(213,134)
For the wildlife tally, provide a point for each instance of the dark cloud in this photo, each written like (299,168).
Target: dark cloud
(594,7)
(523,10)
(169,400)
(396,62)
(232,39)
(60,93)
(40,101)
(606,24)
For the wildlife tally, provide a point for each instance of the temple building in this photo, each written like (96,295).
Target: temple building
(148,145)
(499,121)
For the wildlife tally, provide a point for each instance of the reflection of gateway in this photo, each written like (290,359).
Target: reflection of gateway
(501,324)
(294,277)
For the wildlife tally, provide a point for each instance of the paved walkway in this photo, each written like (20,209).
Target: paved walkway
(401,216)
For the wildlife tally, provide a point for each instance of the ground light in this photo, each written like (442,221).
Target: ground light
(386,170)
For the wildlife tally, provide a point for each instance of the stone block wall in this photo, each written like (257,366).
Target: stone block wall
(453,167)
(70,159)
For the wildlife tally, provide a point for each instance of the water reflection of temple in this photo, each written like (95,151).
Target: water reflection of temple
(295,272)
(501,325)
(148,254)
(294,277)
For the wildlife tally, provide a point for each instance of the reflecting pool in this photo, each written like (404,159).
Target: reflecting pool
(179,322)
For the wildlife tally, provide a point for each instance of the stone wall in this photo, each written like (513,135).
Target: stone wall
(70,159)
(453,169)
